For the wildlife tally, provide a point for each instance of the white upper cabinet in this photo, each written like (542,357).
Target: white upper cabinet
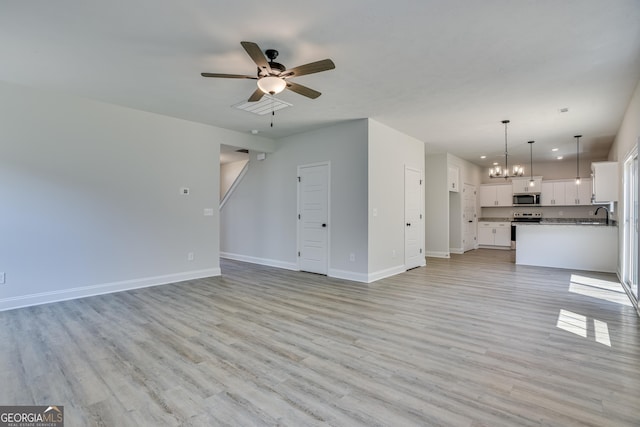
(577,194)
(522,185)
(496,195)
(553,193)
(605,181)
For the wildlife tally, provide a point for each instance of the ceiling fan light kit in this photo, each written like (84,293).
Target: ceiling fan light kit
(274,77)
(272,84)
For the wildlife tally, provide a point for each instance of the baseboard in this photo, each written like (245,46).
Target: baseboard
(435,254)
(378,275)
(457,251)
(348,275)
(104,288)
(261,261)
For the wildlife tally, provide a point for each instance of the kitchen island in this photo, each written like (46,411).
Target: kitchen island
(576,245)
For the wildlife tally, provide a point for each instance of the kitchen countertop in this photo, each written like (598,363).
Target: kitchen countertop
(555,221)
(494,220)
(578,221)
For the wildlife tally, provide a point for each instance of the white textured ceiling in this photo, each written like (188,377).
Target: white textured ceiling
(445,72)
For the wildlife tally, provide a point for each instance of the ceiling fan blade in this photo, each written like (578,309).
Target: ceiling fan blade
(303,90)
(312,67)
(256,96)
(256,54)
(228,76)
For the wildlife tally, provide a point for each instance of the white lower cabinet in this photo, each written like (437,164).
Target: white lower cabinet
(494,234)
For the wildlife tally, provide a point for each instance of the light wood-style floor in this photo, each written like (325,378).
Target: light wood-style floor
(470,341)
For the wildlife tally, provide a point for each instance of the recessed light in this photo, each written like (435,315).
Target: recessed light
(483,157)
(554,149)
(563,109)
(254,131)
(559,157)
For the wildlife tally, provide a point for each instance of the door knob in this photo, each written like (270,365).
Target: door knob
(408,224)
(324,225)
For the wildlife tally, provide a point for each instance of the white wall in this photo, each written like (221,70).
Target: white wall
(444,209)
(436,206)
(90,197)
(469,174)
(627,137)
(258,222)
(389,152)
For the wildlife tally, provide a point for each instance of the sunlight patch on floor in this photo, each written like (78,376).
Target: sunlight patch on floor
(597,288)
(580,325)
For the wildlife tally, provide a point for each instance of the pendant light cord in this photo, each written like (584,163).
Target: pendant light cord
(577,137)
(506,152)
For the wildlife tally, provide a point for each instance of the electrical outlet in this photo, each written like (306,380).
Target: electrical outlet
(2,278)
(190,256)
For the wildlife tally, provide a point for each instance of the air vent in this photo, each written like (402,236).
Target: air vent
(242,150)
(265,106)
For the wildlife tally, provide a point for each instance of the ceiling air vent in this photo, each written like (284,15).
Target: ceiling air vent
(265,106)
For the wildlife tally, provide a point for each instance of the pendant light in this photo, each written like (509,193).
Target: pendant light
(577,137)
(504,173)
(532,183)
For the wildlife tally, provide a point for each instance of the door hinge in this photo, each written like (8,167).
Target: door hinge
(420,182)
(420,216)
(298,216)
(298,253)
(299,179)
(420,250)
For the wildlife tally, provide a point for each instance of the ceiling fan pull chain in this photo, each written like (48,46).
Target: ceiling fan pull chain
(273,111)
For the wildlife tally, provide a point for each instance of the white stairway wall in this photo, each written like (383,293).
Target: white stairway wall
(258,222)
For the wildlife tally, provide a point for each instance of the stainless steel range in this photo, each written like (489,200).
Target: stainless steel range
(527,216)
(530,217)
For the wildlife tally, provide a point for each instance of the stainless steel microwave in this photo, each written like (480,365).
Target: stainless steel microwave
(526,199)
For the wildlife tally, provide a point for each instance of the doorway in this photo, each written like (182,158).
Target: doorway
(469,218)
(313,217)
(414,221)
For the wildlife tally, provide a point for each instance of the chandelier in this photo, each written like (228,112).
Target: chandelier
(497,171)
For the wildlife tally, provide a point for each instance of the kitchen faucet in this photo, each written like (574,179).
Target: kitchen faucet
(606,211)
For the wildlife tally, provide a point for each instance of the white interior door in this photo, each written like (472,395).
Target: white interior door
(469,218)
(313,218)
(414,222)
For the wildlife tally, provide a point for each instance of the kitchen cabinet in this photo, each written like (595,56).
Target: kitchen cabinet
(494,234)
(553,193)
(522,186)
(605,181)
(494,195)
(577,194)
(565,192)
(453,179)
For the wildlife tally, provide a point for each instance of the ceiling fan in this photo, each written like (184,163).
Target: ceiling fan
(273,77)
